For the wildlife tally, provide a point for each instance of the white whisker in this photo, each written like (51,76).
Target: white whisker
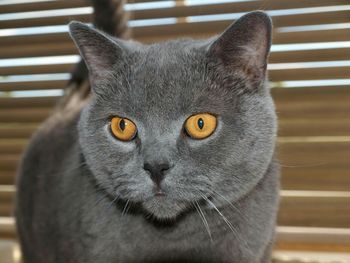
(113,201)
(125,207)
(232,206)
(204,220)
(229,224)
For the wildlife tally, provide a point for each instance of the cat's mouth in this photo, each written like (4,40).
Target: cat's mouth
(160,193)
(163,208)
(163,205)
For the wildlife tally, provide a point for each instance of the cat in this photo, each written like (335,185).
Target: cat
(171,159)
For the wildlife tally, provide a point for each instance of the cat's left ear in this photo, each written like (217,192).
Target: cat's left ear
(245,45)
(100,52)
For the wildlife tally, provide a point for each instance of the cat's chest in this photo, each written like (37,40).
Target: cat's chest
(127,238)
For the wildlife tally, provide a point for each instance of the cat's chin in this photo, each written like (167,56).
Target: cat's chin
(164,209)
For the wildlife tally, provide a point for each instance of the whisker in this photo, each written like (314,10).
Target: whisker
(232,206)
(317,164)
(224,218)
(204,220)
(99,199)
(114,200)
(125,207)
(129,206)
(229,224)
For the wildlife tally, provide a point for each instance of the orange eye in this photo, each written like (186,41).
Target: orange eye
(200,126)
(123,129)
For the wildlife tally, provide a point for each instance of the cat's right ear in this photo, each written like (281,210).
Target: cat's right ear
(245,45)
(99,52)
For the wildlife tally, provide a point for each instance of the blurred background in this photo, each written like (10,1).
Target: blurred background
(309,71)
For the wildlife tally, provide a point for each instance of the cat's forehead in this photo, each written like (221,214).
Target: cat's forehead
(170,58)
(169,80)
(166,75)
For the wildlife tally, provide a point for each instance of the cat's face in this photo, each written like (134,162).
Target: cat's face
(161,164)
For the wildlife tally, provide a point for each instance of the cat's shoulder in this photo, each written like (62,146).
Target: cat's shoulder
(53,138)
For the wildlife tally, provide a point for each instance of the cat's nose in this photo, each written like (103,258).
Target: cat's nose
(157,170)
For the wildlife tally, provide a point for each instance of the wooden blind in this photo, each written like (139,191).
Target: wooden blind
(309,71)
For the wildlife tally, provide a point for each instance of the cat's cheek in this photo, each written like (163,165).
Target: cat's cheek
(118,145)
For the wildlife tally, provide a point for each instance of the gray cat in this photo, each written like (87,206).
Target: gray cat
(170,160)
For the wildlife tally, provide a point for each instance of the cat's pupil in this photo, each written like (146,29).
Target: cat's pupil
(200,123)
(122,125)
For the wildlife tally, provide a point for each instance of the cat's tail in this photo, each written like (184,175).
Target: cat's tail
(110,17)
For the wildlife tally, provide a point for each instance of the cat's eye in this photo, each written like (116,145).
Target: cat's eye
(123,129)
(200,126)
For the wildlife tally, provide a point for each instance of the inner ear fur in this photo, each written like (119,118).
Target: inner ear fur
(245,45)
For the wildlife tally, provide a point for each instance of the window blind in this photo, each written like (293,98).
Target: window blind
(309,71)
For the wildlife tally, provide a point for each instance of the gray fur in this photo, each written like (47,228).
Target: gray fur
(83,196)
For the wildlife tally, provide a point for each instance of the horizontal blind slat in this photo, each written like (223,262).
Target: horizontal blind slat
(311,94)
(57,4)
(310,55)
(36,69)
(310,73)
(55,49)
(312,239)
(328,35)
(31,102)
(235,7)
(35,39)
(312,36)
(314,211)
(32,85)
(213,26)
(24,115)
(328,179)
(17,131)
(36,50)
(44,21)
(315,126)
(184,10)
(42,6)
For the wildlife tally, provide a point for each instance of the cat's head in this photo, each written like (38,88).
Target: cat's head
(173,124)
